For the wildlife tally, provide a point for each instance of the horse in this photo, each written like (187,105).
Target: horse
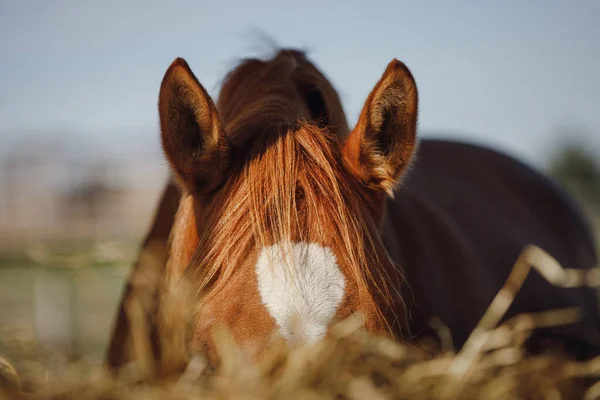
(282,219)
(142,289)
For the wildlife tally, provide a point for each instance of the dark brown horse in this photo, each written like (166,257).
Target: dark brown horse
(287,221)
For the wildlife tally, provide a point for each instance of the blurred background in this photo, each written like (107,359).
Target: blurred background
(80,161)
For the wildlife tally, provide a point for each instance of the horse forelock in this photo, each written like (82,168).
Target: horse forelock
(291,188)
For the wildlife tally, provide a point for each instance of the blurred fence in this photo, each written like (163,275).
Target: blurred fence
(67,309)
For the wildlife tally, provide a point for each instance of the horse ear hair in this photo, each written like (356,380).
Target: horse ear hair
(381,146)
(191,132)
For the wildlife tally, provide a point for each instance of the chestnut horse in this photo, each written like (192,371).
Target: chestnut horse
(288,221)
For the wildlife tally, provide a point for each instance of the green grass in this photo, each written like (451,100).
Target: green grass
(82,291)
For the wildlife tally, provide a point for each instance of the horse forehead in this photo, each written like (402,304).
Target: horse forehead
(301,286)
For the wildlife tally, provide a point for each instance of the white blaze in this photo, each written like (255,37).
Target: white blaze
(302,286)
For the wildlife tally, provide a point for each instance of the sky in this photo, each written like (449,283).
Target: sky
(506,73)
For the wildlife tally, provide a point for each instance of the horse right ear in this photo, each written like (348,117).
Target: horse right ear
(382,145)
(192,136)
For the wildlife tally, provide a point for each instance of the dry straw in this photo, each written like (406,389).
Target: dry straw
(350,364)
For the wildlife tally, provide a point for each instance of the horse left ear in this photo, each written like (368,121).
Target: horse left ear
(192,136)
(382,144)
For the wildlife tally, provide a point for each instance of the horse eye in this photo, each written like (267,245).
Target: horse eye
(299,194)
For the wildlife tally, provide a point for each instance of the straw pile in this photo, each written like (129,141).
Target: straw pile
(350,364)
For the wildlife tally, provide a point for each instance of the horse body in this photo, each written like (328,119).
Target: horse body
(285,221)
(459,223)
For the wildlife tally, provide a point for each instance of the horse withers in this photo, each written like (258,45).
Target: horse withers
(288,221)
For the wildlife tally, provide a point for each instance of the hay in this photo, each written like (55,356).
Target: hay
(350,364)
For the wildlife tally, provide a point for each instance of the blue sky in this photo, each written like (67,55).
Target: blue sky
(506,73)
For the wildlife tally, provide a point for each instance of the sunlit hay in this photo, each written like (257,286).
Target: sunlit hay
(142,347)
(144,305)
(593,393)
(348,364)
(444,334)
(140,307)
(355,366)
(550,269)
(518,329)
(9,378)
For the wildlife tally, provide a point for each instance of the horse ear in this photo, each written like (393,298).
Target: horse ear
(192,136)
(381,146)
